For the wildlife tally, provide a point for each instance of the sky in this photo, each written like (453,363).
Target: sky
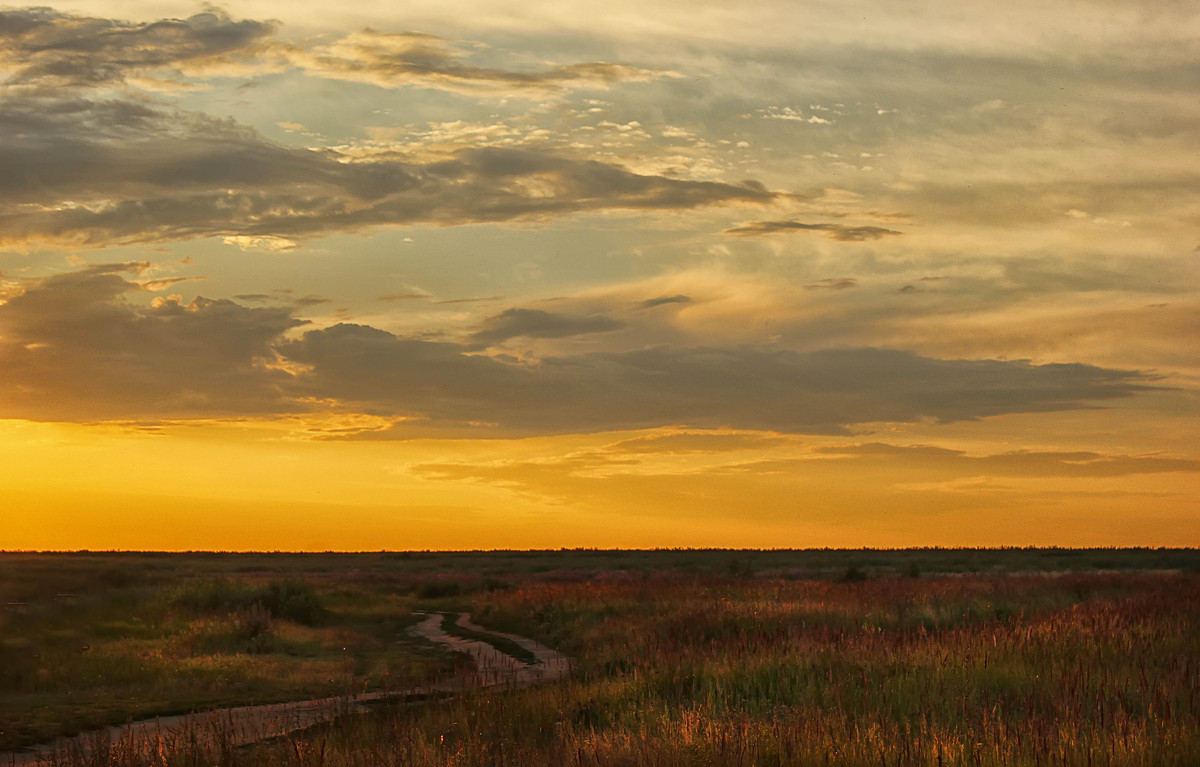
(782,273)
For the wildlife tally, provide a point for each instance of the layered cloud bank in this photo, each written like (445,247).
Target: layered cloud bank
(90,162)
(75,349)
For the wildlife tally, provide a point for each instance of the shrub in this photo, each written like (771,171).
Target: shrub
(213,595)
(289,599)
(252,628)
(853,575)
(293,600)
(495,584)
(438,589)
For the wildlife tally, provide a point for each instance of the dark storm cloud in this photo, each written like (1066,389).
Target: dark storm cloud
(536,323)
(73,347)
(839,232)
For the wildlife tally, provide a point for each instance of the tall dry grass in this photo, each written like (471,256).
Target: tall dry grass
(1072,670)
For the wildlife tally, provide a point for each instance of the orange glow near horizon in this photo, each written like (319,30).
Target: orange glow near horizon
(221,488)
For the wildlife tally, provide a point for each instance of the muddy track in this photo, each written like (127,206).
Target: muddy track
(227,728)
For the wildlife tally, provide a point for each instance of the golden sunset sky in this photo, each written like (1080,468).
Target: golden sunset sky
(781,273)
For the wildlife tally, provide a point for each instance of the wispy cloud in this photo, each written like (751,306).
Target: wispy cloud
(536,323)
(832,283)
(417,59)
(1022,463)
(48,48)
(951,481)
(839,232)
(410,296)
(695,442)
(650,303)
(267,243)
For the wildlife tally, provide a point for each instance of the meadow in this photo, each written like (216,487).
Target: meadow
(91,641)
(682,658)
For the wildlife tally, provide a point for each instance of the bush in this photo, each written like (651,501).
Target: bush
(491,584)
(853,575)
(293,600)
(214,595)
(252,627)
(290,599)
(438,589)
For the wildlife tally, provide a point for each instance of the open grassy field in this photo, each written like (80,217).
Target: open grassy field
(740,658)
(1074,669)
(86,642)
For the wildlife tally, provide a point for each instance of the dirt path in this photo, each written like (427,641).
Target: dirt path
(549,666)
(229,728)
(492,666)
